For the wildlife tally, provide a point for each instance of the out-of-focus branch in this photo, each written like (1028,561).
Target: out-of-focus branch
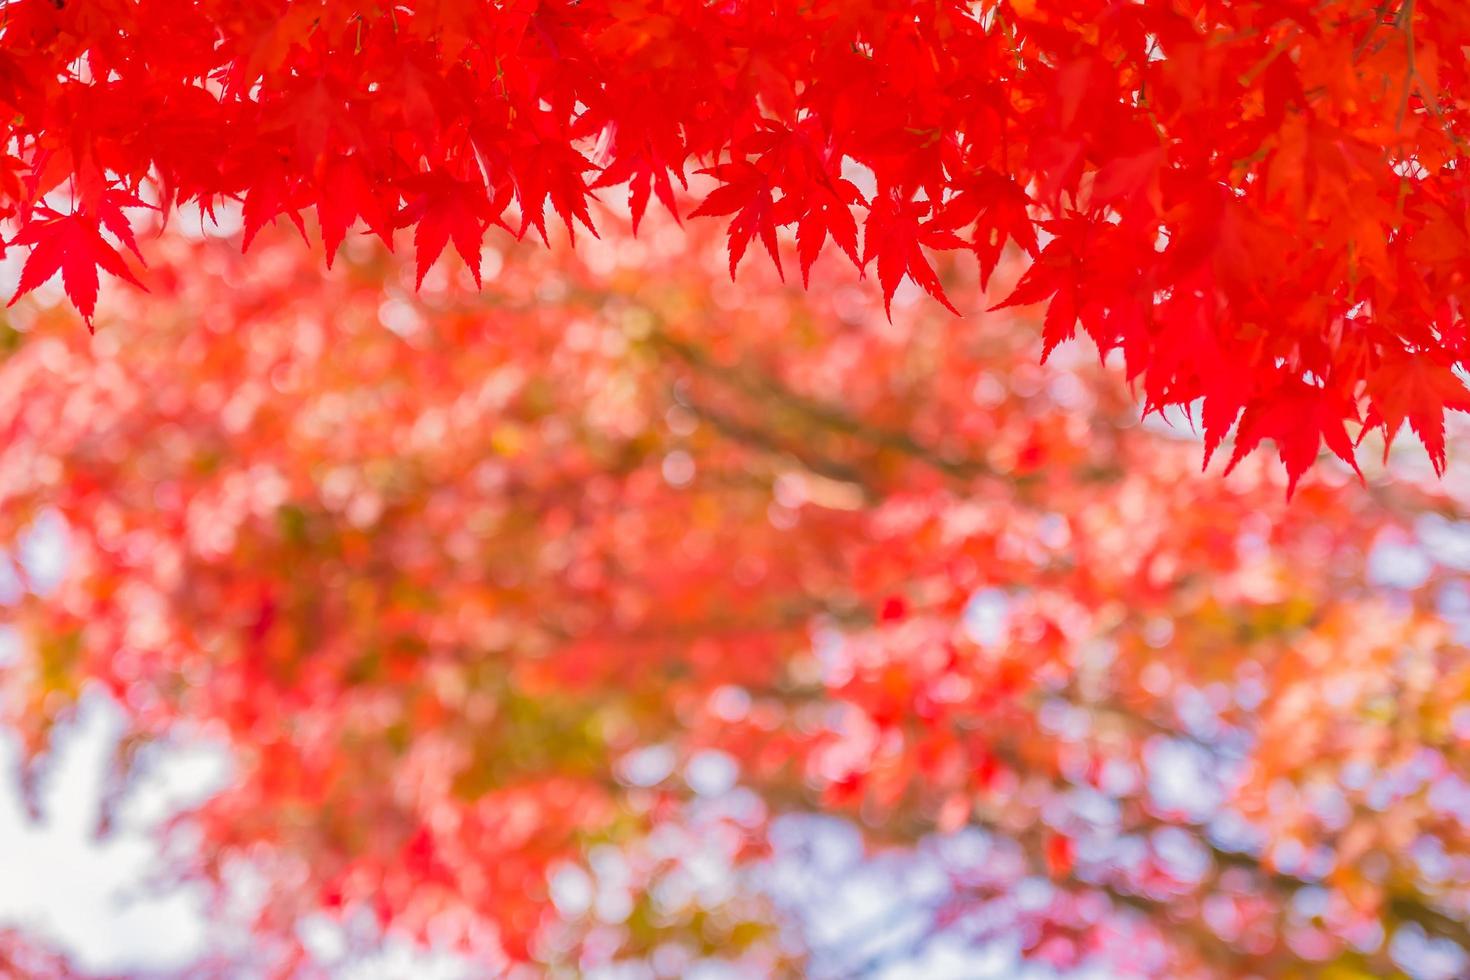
(767,441)
(1402,904)
(823,414)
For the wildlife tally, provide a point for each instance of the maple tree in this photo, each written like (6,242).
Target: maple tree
(1259,203)
(470,581)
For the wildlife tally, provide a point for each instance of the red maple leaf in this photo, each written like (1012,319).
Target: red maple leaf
(72,244)
(550,172)
(345,194)
(645,173)
(447,209)
(1055,274)
(1418,389)
(274,194)
(999,210)
(894,234)
(746,193)
(829,214)
(1299,418)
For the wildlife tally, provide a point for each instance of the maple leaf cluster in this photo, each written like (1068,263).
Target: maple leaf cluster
(1259,203)
(446,568)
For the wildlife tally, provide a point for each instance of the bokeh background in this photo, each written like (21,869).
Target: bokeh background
(619,620)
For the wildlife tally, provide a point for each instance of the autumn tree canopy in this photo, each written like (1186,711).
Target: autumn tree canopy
(1259,203)
(475,583)
(486,523)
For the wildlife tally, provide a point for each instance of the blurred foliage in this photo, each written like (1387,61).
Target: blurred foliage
(474,584)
